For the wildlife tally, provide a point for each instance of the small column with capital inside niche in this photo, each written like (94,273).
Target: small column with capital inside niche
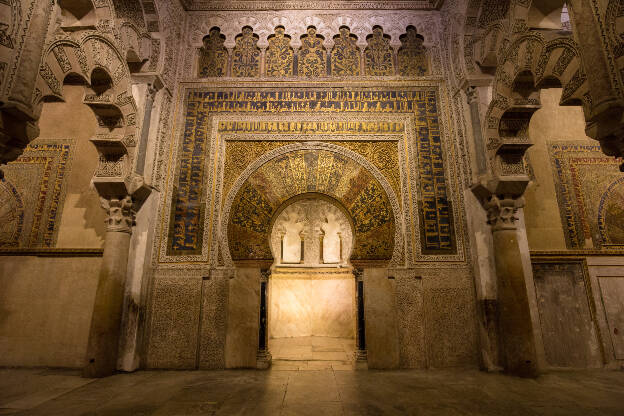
(263,357)
(361,356)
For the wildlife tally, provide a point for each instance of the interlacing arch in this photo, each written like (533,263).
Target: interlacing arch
(100,65)
(529,64)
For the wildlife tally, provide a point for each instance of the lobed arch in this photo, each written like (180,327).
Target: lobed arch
(97,63)
(529,64)
(357,181)
(335,206)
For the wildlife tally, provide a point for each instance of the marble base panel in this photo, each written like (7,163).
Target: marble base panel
(312,305)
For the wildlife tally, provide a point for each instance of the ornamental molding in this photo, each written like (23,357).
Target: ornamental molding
(222,5)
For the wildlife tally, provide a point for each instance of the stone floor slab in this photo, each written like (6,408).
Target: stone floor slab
(326,392)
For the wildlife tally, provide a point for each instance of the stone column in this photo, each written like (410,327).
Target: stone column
(361,356)
(481,244)
(518,352)
(264,358)
(104,334)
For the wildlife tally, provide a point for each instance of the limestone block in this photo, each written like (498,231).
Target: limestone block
(612,289)
(241,339)
(568,330)
(45,309)
(382,337)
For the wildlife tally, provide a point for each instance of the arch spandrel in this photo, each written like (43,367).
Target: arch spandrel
(312,170)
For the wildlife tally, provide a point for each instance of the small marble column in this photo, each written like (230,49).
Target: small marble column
(264,358)
(361,356)
(103,344)
(518,352)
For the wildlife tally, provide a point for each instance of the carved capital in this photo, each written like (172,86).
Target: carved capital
(502,212)
(265,274)
(120,214)
(358,273)
(472,94)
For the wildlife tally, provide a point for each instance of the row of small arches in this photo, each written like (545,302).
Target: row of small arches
(312,59)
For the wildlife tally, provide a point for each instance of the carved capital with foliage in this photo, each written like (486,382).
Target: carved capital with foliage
(120,214)
(502,212)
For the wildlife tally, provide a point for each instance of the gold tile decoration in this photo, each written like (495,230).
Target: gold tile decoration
(412,55)
(246,54)
(240,154)
(384,155)
(345,55)
(213,56)
(589,193)
(394,132)
(32,194)
(378,55)
(311,171)
(312,55)
(279,56)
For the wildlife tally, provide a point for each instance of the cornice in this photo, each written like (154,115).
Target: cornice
(52,252)
(251,5)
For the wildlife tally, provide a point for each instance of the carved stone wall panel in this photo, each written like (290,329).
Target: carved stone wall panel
(174,322)
(213,323)
(314,5)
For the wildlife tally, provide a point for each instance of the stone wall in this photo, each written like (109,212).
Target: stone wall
(46,305)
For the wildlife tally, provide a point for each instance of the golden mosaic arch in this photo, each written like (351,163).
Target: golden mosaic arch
(311,171)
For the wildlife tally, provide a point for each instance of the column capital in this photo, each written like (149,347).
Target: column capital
(502,212)
(120,213)
(472,94)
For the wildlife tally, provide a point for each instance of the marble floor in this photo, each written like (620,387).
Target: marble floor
(312,353)
(36,392)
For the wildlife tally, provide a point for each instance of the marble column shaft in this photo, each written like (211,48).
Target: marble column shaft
(518,353)
(103,344)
